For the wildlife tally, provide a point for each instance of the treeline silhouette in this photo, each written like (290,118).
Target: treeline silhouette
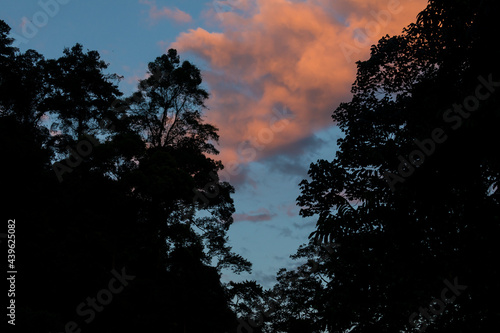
(111,237)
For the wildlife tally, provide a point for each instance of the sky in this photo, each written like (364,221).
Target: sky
(275,71)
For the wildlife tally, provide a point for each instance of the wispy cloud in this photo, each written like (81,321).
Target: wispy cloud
(259,215)
(175,14)
(304,225)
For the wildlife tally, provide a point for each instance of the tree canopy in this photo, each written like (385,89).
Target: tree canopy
(103,186)
(408,196)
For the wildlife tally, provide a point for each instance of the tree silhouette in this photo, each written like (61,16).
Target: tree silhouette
(408,195)
(103,185)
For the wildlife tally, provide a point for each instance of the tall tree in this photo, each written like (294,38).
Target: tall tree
(409,195)
(81,92)
(99,188)
(167,112)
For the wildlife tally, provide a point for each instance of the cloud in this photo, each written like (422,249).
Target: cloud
(265,279)
(305,225)
(305,145)
(295,168)
(294,54)
(259,215)
(157,14)
(294,158)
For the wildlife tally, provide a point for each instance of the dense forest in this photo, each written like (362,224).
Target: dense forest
(122,220)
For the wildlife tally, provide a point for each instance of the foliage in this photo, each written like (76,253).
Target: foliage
(401,239)
(99,183)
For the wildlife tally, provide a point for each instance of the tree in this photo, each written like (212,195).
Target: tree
(81,93)
(166,112)
(408,195)
(294,302)
(100,185)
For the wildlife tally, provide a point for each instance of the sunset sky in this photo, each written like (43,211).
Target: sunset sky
(275,71)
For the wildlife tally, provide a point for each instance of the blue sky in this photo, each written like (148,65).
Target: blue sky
(256,57)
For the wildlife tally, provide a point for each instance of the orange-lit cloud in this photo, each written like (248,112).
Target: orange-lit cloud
(175,14)
(276,54)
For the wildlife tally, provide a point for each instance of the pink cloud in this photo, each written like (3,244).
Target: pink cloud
(259,215)
(295,54)
(157,14)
